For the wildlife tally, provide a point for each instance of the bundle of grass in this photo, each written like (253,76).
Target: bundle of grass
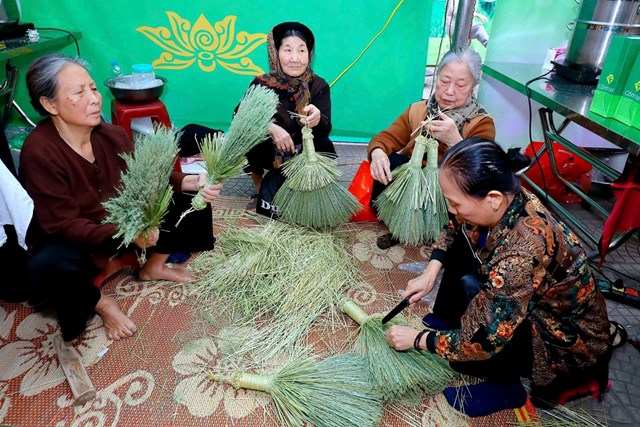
(143,199)
(312,196)
(401,205)
(435,210)
(398,374)
(277,278)
(331,393)
(224,155)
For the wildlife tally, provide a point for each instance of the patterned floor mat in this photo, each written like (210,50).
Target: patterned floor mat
(156,378)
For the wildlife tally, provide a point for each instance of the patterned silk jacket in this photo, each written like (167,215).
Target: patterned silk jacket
(535,268)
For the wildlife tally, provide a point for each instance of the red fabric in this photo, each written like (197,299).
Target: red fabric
(361,187)
(625,214)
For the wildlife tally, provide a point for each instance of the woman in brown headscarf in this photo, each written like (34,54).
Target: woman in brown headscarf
(300,90)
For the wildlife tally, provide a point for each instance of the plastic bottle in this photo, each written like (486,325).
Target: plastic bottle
(142,76)
(116,71)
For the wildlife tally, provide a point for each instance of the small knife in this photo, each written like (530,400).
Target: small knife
(397,309)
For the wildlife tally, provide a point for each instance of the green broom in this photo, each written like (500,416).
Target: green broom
(401,204)
(224,155)
(143,199)
(398,374)
(311,195)
(331,393)
(435,205)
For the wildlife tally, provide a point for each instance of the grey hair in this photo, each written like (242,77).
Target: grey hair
(42,77)
(470,57)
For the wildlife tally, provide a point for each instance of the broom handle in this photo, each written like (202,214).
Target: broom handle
(307,144)
(353,310)
(418,151)
(258,382)
(432,153)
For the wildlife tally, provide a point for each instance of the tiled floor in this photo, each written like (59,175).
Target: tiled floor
(621,404)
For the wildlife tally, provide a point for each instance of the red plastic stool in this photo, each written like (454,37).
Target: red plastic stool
(122,114)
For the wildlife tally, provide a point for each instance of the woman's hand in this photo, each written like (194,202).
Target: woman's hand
(445,130)
(209,192)
(281,139)
(401,337)
(424,283)
(313,115)
(147,238)
(380,166)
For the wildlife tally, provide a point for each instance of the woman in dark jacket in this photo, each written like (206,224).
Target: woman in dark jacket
(69,165)
(291,46)
(517,297)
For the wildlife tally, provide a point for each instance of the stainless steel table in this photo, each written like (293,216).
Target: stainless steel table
(573,102)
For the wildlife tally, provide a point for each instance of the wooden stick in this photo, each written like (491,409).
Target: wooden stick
(77,376)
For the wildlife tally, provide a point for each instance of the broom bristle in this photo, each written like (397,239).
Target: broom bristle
(400,374)
(311,195)
(323,208)
(401,205)
(332,393)
(303,175)
(144,196)
(435,205)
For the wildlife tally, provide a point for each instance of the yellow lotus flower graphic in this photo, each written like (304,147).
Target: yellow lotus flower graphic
(205,44)
(637,86)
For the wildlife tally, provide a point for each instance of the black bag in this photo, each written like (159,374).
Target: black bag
(271,183)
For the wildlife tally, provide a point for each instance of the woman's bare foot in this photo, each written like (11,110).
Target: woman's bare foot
(117,324)
(163,272)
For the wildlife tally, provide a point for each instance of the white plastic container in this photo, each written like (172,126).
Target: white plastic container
(142,76)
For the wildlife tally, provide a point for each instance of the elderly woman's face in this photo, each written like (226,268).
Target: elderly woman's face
(465,207)
(293,56)
(77,99)
(453,85)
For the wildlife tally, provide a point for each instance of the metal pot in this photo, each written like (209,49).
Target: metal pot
(9,12)
(597,22)
(135,96)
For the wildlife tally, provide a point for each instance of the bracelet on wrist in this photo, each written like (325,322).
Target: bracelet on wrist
(416,342)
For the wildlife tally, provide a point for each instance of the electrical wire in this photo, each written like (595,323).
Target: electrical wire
(533,148)
(75,40)
(384,27)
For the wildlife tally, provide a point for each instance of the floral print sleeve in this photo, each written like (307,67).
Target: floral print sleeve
(501,305)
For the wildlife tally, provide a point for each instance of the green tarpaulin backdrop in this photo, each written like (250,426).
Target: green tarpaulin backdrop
(209,51)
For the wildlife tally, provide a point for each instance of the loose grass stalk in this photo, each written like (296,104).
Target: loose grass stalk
(143,199)
(224,155)
(331,393)
(398,374)
(401,204)
(311,196)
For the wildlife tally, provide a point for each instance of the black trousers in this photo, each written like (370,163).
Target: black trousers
(13,263)
(395,160)
(61,273)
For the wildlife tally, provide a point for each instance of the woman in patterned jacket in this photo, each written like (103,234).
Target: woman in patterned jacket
(519,299)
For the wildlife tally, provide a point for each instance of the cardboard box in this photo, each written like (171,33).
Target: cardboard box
(628,110)
(621,56)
